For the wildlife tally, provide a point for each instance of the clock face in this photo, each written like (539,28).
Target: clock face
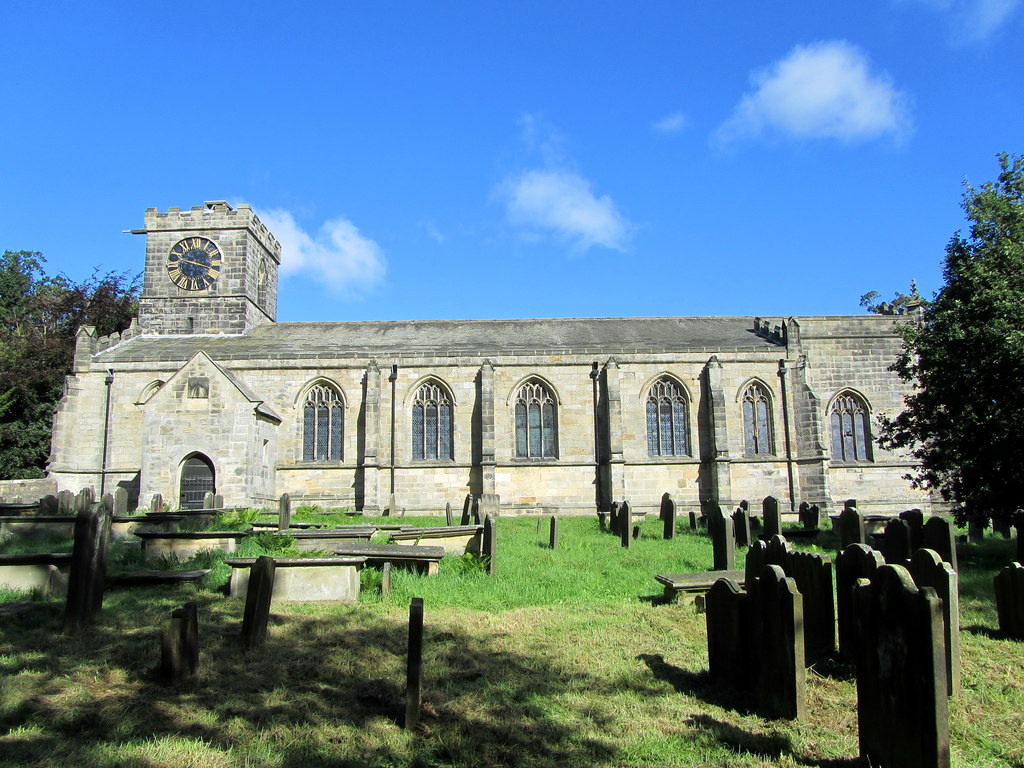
(194,263)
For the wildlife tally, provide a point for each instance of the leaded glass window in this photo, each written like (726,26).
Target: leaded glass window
(667,420)
(850,435)
(536,421)
(432,423)
(757,421)
(322,424)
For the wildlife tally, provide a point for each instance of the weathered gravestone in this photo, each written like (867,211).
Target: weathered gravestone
(467,509)
(489,544)
(902,709)
(88,569)
(208,502)
(613,517)
(625,528)
(84,500)
(812,573)
(851,528)
(1009,586)
(777,618)
(156,504)
(693,520)
(553,532)
(488,505)
(915,521)
(49,505)
(728,623)
(810,516)
(385,579)
(896,542)
(120,501)
(976,528)
(218,501)
(755,642)
(257,602)
(929,570)
(741,526)
(771,517)
(938,534)
(65,502)
(449,518)
(284,512)
(856,561)
(850,504)
(723,540)
(179,645)
(668,516)
(414,664)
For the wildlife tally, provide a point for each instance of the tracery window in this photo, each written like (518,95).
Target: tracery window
(666,420)
(757,421)
(322,424)
(851,437)
(536,422)
(432,423)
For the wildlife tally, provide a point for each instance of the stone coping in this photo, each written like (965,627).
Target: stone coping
(449,529)
(156,577)
(37,558)
(268,526)
(391,552)
(197,535)
(291,562)
(330,533)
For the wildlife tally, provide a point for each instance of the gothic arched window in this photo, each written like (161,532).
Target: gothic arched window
(666,420)
(851,437)
(432,423)
(536,422)
(757,421)
(322,424)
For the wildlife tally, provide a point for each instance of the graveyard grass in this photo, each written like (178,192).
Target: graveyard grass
(564,658)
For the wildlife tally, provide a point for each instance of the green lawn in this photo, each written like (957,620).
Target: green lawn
(564,658)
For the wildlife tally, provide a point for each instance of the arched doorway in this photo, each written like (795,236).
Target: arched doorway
(197,479)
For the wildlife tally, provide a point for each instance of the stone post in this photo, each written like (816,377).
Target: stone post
(723,540)
(284,512)
(625,520)
(414,665)
(179,645)
(88,569)
(257,602)
(771,517)
(489,544)
(668,516)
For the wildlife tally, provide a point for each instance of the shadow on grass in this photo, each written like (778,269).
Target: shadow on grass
(325,689)
(696,684)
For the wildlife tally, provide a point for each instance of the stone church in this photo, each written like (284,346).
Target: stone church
(207,392)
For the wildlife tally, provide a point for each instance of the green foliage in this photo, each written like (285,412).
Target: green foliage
(963,423)
(901,304)
(39,317)
(234,520)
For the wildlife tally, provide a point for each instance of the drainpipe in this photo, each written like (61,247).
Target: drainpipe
(785,428)
(393,378)
(109,380)
(595,374)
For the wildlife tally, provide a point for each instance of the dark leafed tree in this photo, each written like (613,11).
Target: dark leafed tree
(965,420)
(39,316)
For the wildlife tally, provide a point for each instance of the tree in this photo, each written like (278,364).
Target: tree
(965,420)
(39,317)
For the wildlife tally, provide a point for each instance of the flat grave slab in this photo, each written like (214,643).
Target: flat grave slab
(456,539)
(697,582)
(423,559)
(47,572)
(184,545)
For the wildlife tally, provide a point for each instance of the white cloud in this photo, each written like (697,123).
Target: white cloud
(338,255)
(819,91)
(562,202)
(669,124)
(973,20)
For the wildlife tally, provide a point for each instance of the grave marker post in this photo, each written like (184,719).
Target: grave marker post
(727,612)
(668,516)
(625,528)
(284,512)
(257,602)
(489,545)
(855,562)
(741,525)
(902,708)
(120,501)
(156,503)
(896,542)
(1009,586)
(467,509)
(938,534)
(88,569)
(553,532)
(771,516)
(915,521)
(449,519)
(613,517)
(179,645)
(851,528)
(723,540)
(929,570)
(385,579)
(218,501)
(777,625)
(414,663)
(208,502)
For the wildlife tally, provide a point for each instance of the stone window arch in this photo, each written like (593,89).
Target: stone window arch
(758,439)
(323,424)
(432,426)
(849,418)
(536,421)
(667,419)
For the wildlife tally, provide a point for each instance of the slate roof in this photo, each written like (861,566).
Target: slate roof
(456,338)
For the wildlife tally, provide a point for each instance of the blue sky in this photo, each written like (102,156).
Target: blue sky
(500,160)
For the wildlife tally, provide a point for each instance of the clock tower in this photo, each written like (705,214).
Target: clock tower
(212,269)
